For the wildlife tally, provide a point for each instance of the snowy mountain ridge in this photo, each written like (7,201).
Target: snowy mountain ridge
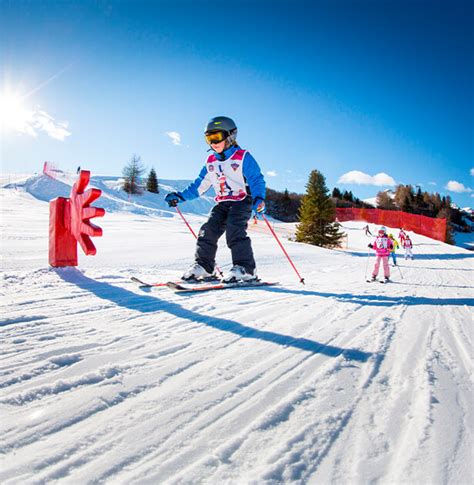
(113,198)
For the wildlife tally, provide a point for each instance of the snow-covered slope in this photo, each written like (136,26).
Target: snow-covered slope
(337,381)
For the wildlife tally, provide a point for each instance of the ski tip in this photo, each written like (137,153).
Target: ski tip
(174,285)
(141,283)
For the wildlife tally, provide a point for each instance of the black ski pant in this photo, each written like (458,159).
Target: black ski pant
(231,218)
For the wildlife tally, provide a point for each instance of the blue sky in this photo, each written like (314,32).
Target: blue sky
(351,88)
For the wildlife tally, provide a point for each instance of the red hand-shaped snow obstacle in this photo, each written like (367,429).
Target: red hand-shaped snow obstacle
(69,223)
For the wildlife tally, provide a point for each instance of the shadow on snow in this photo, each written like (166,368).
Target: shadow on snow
(376,300)
(441,256)
(152,304)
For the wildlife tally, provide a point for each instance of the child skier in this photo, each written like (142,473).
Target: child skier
(394,248)
(408,246)
(382,245)
(240,187)
(402,236)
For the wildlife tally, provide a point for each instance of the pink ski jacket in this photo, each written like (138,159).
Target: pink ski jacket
(382,245)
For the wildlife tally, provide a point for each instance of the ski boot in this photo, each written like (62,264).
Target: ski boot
(238,273)
(196,273)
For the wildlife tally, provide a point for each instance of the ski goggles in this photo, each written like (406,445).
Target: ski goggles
(215,136)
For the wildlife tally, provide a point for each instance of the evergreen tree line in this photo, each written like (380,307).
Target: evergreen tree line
(283,206)
(407,200)
(347,199)
(133,180)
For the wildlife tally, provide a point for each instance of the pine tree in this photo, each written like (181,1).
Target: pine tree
(132,174)
(336,193)
(317,214)
(419,202)
(152,182)
(286,203)
(346,196)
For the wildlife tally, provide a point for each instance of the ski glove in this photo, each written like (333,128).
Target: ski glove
(258,206)
(370,246)
(174,198)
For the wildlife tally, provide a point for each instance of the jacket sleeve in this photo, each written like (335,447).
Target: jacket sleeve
(254,177)
(199,186)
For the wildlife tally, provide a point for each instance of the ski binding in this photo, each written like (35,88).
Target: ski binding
(180,287)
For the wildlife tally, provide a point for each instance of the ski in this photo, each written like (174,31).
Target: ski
(146,284)
(179,287)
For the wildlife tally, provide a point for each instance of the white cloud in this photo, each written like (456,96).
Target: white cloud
(472,172)
(272,173)
(458,187)
(33,122)
(175,137)
(16,116)
(55,129)
(361,178)
(432,183)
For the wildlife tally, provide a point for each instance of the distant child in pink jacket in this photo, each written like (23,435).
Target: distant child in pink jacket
(408,246)
(402,236)
(382,245)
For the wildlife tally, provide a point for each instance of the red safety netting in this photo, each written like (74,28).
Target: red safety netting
(427,226)
(51,170)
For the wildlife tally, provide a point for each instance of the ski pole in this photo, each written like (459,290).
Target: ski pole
(282,248)
(194,234)
(185,221)
(400,271)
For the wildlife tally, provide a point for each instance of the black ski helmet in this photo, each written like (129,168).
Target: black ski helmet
(223,123)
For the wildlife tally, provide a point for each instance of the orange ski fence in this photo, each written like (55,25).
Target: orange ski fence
(427,226)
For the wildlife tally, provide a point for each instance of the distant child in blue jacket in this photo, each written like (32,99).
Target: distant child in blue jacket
(240,187)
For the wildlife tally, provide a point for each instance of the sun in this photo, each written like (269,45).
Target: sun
(13,115)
